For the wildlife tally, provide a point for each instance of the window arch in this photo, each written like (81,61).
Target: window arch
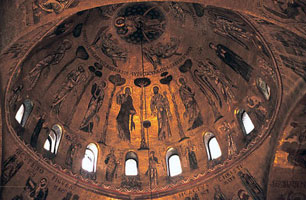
(174,166)
(245,122)
(54,138)
(89,162)
(212,146)
(131,164)
(24,112)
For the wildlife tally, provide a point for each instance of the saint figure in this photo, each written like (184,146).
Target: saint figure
(74,78)
(44,65)
(125,115)
(93,107)
(112,164)
(160,108)
(192,111)
(152,170)
(233,60)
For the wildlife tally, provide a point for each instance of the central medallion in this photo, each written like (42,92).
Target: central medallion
(140,23)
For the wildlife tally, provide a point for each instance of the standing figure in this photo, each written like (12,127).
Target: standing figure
(152,170)
(125,115)
(112,164)
(231,148)
(193,163)
(74,78)
(192,111)
(36,131)
(160,108)
(93,107)
(51,59)
(233,60)
(223,83)
(70,155)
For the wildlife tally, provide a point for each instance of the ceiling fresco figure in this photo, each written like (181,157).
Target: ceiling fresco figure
(234,61)
(94,105)
(33,190)
(110,47)
(160,108)
(192,111)
(112,165)
(152,169)
(223,83)
(231,145)
(203,85)
(125,122)
(80,53)
(190,151)
(231,29)
(140,23)
(70,155)
(44,64)
(155,53)
(73,79)
(290,9)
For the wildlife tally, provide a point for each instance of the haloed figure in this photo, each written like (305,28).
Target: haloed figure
(125,115)
(191,107)
(73,79)
(93,108)
(152,170)
(160,107)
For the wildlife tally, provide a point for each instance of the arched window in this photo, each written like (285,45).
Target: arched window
(89,162)
(174,166)
(245,122)
(54,138)
(131,164)
(24,112)
(212,146)
(19,114)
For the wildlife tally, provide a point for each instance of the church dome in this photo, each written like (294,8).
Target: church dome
(144,99)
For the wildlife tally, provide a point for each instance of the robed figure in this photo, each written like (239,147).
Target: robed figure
(152,169)
(44,64)
(74,78)
(233,60)
(192,111)
(125,115)
(93,108)
(112,164)
(160,107)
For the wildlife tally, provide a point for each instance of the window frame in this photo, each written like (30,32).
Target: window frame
(239,115)
(172,152)
(207,137)
(95,153)
(131,155)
